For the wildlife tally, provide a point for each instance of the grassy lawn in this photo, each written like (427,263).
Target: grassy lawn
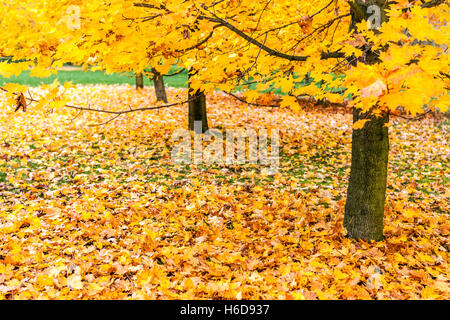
(100,77)
(92,77)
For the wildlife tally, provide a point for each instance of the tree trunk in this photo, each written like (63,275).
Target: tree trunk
(160,90)
(197,109)
(364,209)
(139,81)
(366,193)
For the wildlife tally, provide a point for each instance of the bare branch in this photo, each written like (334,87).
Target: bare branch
(432,3)
(119,112)
(105,123)
(175,73)
(251,103)
(420,116)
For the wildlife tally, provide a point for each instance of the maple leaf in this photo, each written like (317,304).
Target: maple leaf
(360,124)
(376,89)
(21,103)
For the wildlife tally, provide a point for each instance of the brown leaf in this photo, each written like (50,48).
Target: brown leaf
(21,103)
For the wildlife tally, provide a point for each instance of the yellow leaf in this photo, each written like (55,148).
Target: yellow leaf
(359,124)
(289,101)
(74,282)
(14,87)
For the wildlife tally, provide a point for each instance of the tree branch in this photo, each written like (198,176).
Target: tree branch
(272,52)
(432,3)
(119,112)
(250,103)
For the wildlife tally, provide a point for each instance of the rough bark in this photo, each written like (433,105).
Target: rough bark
(197,109)
(364,208)
(139,81)
(160,90)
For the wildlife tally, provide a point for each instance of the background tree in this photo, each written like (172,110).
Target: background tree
(139,81)
(197,107)
(158,82)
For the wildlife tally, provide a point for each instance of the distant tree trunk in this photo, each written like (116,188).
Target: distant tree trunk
(160,90)
(139,81)
(197,109)
(366,193)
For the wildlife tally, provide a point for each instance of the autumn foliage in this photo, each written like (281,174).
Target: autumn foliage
(103,213)
(93,207)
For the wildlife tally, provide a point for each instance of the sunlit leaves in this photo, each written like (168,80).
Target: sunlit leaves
(121,36)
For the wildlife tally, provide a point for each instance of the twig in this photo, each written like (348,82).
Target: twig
(119,112)
(251,103)
(106,122)
(420,116)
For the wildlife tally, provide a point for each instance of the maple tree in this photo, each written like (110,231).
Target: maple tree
(383,59)
(158,82)
(160,90)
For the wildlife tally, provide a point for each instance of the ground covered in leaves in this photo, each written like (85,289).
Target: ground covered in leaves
(102,212)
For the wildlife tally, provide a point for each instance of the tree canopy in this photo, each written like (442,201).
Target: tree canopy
(304,48)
